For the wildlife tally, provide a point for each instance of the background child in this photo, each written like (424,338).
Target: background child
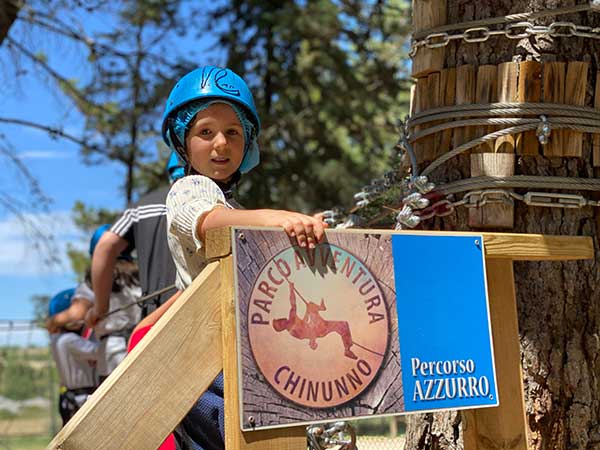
(211,121)
(143,227)
(75,358)
(113,329)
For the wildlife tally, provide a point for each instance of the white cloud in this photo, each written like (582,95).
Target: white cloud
(44,154)
(18,253)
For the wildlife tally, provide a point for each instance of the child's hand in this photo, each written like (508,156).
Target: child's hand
(308,230)
(91,317)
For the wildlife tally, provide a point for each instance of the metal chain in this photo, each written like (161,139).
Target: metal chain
(515,30)
(409,218)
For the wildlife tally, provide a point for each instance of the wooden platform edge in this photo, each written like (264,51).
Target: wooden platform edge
(511,246)
(162,373)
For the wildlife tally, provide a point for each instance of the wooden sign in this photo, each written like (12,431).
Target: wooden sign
(364,324)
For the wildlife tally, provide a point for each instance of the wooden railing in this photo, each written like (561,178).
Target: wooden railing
(155,386)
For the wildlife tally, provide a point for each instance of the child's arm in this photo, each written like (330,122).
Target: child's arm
(75,312)
(307,230)
(107,251)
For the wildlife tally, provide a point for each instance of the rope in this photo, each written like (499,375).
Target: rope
(520,17)
(474,143)
(503,109)
(522,181)
(143,299)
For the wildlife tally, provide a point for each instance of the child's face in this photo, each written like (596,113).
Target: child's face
(215,142)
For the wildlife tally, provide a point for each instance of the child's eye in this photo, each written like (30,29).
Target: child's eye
(204,132)
(232,132)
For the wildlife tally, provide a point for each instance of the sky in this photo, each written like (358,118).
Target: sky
(61,174)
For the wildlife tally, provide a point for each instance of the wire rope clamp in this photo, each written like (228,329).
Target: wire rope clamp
(543,130)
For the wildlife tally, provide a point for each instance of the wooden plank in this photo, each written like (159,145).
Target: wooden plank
(218,243)
(529,90)
(292,438)
(515,246)
(128,409)
(493,215)
(486,91)
(537,247)
(433,101)
(447,94)
(465,94)
(596,138)
(428,14)
(422,98)
(554,92)
(507,93)
(575,88)
(506,425)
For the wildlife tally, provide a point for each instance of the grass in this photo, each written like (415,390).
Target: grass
(25,442)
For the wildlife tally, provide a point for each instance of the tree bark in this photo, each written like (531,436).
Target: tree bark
(8,14)
(558,303)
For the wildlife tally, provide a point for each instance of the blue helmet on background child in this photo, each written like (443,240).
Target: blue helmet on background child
(199,89)
(60,301)
(175,167)
(96,238)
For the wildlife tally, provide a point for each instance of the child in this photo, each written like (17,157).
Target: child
(143,227)
(114,327)
(75,358)
(210,120)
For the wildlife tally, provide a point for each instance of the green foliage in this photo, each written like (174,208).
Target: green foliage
(40,307)
(327,78)
(23,378)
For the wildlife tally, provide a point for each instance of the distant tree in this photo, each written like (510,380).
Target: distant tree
(328,80)
(9,9)
(40,308)
(131,62)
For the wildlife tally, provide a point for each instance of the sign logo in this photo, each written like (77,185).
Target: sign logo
(318,325)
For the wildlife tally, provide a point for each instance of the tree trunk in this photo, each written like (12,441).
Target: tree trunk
(558,303)
(8,14)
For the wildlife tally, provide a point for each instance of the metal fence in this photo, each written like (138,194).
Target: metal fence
(28,388)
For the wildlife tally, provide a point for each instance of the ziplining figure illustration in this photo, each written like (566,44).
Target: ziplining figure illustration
(312,325)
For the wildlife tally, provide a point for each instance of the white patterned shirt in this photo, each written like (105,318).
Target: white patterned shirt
(189,199)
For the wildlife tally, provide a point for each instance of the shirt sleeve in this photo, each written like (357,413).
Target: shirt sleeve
(123,227)
(188,200)
(83,291)
(82,349)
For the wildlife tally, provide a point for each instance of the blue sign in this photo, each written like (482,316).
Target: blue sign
(443,322)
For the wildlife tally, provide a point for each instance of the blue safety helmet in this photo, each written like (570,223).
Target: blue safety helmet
(60,301)
(175,167)
(96,238)
(211,83)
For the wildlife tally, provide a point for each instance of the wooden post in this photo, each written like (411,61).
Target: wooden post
(507,93)
(421,103)
(506,425)
(465,94)
(498,214)
(596,139)
(486,91)
(530,90)
(428,14)
(575,88)
(554,92)
(447,95)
